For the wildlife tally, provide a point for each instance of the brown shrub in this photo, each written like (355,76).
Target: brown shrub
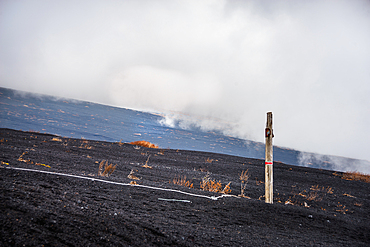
(244,176)
(146,164)
(227,189)
(208,184)
(106,170)
(313,196)
(208,160)
(358,176)
(211,185)
(132,176)
(56,139)
(182,181)
(144,144)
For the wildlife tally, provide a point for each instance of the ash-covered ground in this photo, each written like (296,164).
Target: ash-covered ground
(311,207)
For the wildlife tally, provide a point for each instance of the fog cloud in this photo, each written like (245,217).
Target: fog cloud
(225,63)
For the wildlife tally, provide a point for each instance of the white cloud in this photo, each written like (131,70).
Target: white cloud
(307,61)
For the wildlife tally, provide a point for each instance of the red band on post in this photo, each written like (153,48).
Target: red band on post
(268,162)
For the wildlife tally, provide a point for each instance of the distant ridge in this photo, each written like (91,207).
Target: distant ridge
(82,119)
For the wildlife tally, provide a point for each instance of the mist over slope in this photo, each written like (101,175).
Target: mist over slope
(81,119)
(306,61)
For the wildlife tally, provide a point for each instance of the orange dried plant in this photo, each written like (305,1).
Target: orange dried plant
(244,176)
(106,170)
(227,189)
(208,160)
(358,176)
(146,164)
(144,144)
(182,181)
(56,139)
(208,184)
(313,196)
(132,176)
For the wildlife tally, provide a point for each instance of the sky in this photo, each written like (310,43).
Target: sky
(215,64)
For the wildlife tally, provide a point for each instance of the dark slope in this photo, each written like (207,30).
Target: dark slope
(55,210)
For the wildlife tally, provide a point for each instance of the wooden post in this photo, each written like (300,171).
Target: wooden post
(269,160)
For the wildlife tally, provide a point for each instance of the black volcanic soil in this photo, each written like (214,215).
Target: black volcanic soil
(311,207)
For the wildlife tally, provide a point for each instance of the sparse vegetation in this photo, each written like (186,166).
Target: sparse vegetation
(208,184)
(357,176)
(328,190)
(146,164)
(342,208)
(346,194)
(40,164)
(227,189)
(144,144)
(244,176)
(132,176)
(28,161)
(106,170)
(259,182)
(23,160)
(85,146)
(182,181)
(208,160)
(313,196)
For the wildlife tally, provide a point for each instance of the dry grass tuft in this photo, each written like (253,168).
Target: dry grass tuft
(182,181)
(40,164)
(357,176)
(23,160)
(56,139)
(133,183)
(208,160)
(244,176)
(85,146)
(259,182)
(146,164)
(289,202)
(144,144)
(211,186)
(313,196)
(328,190)
(342,209)
(315,188)
(203,169)
(106,170)
(346,194)
(208,184)
(227,189)
(132,176)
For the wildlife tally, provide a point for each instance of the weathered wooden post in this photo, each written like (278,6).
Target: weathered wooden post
(269,160)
